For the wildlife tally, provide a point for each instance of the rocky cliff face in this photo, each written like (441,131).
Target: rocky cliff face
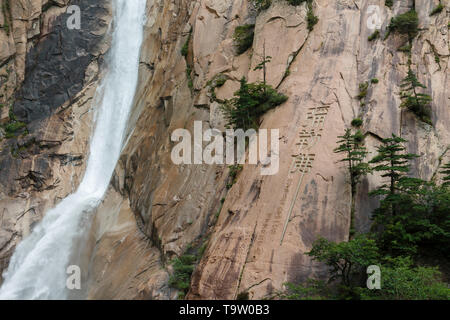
(48,76)
(155,210)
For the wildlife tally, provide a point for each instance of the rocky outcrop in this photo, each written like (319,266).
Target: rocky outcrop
(260,237)
(48,77)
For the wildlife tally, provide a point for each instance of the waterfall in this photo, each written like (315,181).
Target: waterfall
(37,269)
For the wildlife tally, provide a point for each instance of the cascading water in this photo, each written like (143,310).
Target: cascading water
(38,267)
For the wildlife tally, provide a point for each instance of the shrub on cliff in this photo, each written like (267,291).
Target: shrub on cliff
(414,101)
(406,23)
(262,4)
(250,102)
(183,268)
(243,37)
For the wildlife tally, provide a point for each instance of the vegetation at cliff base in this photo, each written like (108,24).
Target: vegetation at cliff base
(410,226)
(182,271)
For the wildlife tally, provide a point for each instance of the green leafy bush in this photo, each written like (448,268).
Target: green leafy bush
(389,3)
(243,37)
(357,122)
(311,290)
(251,101)
(406,23)
(401,281)
(183,268)
(363,90)
(311,18)
(12,128)
(345,258)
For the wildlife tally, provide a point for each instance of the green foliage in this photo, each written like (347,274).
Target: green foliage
(243,296)
(446,173)
(437,10)
(250,102)
(6,9)
(374,81)
(183,268)
(12,128)
(416,102)
(421,224)
(352,145)
(220,80)
(311,19)
(406,48)
(243,37)
(358,122)
(389,3)
(401,281)
(262,4)
(345,258)
(233,174)
(295,2)
(406,23)
(312,290)
(413,216)
(189,77)
(363,89)
(185,48)
(392,162)
(374,35)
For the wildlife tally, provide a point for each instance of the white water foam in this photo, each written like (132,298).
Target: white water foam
(37,269)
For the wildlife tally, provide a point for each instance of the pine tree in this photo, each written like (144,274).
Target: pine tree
(352,145)
(393,162)
(446,174)
(416,102)
(263,64)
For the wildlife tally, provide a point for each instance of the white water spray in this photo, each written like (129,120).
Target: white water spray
(38,267)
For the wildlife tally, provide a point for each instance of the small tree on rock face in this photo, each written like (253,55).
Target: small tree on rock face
(393,163)
(446,173)
(416,102)
(352,145)
(345,258)
(250,102)
(406,23)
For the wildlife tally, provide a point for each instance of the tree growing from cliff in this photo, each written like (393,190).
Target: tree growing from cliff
(346,258)
(250,102)
(406,23)
(263,64)
(416,102)
(446,173)
(243,37)
(352,145)
(393,163)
